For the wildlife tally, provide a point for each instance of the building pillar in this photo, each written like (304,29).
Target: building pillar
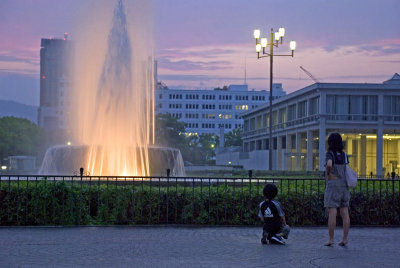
(363,155)
(298,151)
(279,153)
(288,157)
(349,151)
(398,152)
(309,150)
(322,138)
(379,149)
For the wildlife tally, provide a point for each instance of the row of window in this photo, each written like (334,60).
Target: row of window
(211,125)
(225,116)
(213,97)
(208,106)
(173,96)
(338,107)
(175,106)
(258,98)
(208,116)
(177,116)
(225,107)
(225,97)
(191,115)
(192,125)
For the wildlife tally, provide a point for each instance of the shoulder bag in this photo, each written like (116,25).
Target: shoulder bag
(351,175)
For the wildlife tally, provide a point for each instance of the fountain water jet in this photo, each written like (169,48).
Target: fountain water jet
(112,109)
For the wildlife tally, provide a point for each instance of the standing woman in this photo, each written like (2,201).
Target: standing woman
(337,194)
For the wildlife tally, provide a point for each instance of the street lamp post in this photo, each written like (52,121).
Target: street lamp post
(262,44)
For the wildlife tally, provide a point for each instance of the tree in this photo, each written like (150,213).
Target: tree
(207,144)
(195,149)
(18,136)
(234,138)
(169,131)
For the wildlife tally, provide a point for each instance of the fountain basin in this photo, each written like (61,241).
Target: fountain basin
(67,160)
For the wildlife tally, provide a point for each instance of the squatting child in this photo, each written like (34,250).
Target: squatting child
(272,215)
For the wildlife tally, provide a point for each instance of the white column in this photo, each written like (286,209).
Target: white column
(288,157)
(322,137)
(322,131)
(379,137)
(363,155)
(309,150)
(379,149)
(279,153)
(298,150)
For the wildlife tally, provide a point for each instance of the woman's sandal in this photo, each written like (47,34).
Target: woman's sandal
(328,244)
(343,244)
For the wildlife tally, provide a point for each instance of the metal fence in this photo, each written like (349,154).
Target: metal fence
(81,200)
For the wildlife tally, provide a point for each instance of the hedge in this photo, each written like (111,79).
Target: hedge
(62,203)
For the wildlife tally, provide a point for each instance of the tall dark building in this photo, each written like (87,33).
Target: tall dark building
(54,84)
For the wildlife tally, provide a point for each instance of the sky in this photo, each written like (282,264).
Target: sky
(209,43)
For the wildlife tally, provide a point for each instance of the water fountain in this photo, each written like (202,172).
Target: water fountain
(112,107)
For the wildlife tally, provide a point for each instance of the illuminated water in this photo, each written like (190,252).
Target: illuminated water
(111,101)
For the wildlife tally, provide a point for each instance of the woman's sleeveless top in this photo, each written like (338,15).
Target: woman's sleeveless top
(338,169)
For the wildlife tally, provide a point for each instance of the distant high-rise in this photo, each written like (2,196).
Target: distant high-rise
(54,83)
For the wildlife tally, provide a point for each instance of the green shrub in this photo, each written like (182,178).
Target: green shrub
(62,203)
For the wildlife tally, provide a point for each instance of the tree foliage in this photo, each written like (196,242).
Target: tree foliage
(234,138)
(195,149)
(18,136)
(169,131)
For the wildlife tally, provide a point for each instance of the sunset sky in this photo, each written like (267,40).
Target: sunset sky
(209,43)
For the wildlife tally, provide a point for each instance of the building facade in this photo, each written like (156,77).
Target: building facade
(54,87)
(367,116)
(206,111)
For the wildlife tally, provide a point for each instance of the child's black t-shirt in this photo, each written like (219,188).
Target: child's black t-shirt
(271,212)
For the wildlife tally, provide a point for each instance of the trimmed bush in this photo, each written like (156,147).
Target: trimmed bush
(62,203)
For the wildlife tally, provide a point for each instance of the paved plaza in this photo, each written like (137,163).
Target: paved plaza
(182,246)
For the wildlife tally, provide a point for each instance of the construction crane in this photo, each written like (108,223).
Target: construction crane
(309,74)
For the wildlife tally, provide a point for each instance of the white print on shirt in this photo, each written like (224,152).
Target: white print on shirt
(268,213)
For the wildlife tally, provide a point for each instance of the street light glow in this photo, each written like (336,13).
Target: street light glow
(277,36)
(264,42)
(258,48)
(257,33)
(292,45)
(282,32)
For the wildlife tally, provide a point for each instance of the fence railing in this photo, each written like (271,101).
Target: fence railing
(82,200)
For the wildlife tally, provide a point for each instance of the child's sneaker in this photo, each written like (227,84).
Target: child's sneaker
(283,235)
(264,239)
(276,239)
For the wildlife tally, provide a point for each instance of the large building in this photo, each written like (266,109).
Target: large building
(54,87)
(206,111)
(367,116)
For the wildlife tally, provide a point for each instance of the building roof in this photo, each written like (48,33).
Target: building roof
(392,83)
(394,80)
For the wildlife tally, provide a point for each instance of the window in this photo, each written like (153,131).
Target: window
(282,115)
(391,108)
(292,112)
(352,107)
(314,106)
(302,109)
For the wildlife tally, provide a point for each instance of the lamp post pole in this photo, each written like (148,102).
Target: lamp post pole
(264,43)
(271,61)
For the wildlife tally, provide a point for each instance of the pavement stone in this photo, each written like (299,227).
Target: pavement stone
(183,246)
